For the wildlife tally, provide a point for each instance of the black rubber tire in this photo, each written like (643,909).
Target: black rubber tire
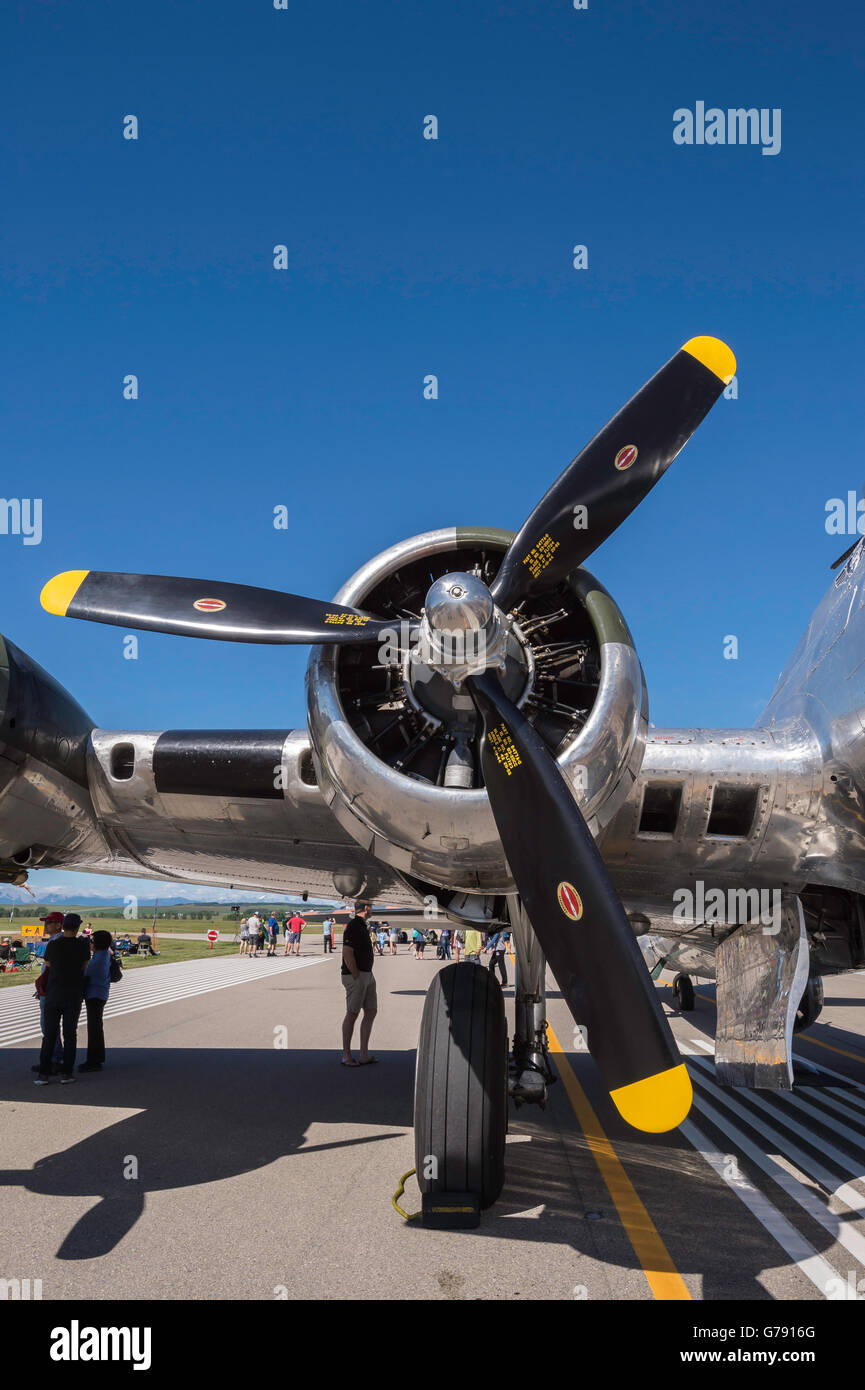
(684,992)
(461,1084)
(810,1005)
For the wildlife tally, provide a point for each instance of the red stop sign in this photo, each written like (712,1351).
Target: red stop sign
(213,934)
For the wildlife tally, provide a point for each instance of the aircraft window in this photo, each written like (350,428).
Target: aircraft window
(122,761)
(732,812)
(661,804)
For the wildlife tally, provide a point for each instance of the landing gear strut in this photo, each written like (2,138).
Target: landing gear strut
(531,1074)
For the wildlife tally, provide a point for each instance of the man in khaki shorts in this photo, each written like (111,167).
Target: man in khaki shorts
(359,984)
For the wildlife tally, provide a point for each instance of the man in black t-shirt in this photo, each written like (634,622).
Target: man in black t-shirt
(65,959)
(357,978)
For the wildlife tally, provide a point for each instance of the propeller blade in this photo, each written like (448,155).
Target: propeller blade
(578,918)
(615,470)
(201,608)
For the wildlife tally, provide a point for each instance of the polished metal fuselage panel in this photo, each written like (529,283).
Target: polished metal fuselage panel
(288,845)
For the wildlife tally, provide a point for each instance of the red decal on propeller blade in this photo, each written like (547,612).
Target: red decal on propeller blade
(625,457)
(570,901)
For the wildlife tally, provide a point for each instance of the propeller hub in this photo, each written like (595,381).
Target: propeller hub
(459,602)
(462,631)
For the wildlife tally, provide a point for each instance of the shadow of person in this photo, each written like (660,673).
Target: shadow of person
(203,1116)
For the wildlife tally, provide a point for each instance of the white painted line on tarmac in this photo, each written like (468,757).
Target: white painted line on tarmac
(795,1246)
(854,1137)
(838,1227)
(19,1019)
(852,1199)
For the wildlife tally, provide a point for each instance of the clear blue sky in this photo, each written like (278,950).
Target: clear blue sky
(409,257)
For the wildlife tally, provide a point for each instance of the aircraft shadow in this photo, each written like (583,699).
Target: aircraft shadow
(205,1115)
(210,1114)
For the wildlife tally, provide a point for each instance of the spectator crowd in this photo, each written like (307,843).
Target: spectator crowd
(78,968)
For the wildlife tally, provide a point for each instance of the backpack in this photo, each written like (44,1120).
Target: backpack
(115,970)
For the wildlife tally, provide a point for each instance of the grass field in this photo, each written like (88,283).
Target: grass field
(227,930)
(119,924)
(170,953)
(171,950)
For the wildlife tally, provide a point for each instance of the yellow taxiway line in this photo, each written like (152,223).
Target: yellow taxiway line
(830,1047)
(665,1281)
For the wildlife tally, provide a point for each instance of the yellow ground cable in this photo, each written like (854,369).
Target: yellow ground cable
(406,1215)
(664,1279)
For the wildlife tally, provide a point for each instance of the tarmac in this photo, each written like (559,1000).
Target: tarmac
(225,1153)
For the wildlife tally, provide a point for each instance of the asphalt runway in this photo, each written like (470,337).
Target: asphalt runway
(224,1153)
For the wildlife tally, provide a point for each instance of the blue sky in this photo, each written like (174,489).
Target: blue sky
(408,257)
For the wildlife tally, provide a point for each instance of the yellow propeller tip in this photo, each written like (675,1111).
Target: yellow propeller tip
(713,354)
(657,1103)
(61,590)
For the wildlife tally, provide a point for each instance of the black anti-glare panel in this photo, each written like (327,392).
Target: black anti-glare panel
(220,762)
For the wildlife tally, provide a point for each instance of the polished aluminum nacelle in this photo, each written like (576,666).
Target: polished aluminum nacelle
(446,836)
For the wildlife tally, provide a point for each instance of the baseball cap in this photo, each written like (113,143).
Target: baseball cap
(52,919)
(71,922)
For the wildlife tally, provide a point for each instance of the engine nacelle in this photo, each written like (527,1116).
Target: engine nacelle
(44,795)
(396,748)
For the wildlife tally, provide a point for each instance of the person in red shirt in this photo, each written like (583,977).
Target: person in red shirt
(296,925)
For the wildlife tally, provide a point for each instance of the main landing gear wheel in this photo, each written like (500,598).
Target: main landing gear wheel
(684,992)
(461,1085)
(810,1005)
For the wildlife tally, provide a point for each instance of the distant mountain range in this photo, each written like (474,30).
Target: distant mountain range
(179,896)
